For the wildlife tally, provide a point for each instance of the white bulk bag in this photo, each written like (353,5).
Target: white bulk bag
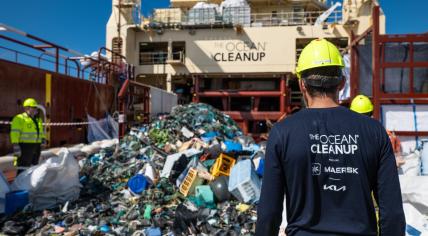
(52,182)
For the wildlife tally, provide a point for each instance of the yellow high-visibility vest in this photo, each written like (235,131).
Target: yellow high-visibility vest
(24,129)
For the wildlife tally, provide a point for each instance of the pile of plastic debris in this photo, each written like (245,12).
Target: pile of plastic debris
(196,120)
(191,172)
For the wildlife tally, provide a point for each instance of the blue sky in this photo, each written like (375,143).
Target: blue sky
(80,24)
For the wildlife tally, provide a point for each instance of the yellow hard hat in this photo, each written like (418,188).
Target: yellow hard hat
(30,102)
(362,104)
(318,53)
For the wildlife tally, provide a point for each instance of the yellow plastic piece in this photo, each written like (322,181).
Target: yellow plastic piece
(319,53)
(222,165)
(241,207)
(190,182)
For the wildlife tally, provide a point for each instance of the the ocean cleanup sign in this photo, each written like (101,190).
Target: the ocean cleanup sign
(239,51)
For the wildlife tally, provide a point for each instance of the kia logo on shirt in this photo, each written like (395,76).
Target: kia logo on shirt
(334,188)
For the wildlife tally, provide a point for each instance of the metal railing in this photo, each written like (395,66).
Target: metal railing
(241,16)
(152,58)
(47,62)
(292,18)
(55,58)
(41,61)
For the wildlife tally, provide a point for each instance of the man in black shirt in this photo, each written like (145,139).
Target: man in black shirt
(328,160)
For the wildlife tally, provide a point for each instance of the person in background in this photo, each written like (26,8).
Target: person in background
(327,160)
(362,104)
(27,135)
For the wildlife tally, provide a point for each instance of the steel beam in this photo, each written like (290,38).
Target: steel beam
(375,63)
(411,133)
(260,115)
(240,94)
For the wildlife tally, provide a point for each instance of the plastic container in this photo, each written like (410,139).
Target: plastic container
(424,157)
(204,193)
(244,183)
(237,15)
(137,183)
(222,165)
(169,15)
(190,182)
(220,189)
(202,16)
(16,201)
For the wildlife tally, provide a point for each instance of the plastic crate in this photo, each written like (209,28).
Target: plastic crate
(237,15)
(244,183)
(190,182)
(202,16)
(222,165)
(169,15)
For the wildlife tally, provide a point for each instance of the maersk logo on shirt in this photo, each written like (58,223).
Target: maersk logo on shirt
(316,169)
(334,144)
(341,170)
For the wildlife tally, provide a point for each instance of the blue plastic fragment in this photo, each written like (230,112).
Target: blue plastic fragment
(137,183)
(208,136)
(95,159)
(105,229)
(152,231)
(261,167)
(412,231)
(83,179)
(231,135)
(232,146)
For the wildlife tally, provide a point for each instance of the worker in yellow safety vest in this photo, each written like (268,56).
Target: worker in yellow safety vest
(27,134)
(362,104)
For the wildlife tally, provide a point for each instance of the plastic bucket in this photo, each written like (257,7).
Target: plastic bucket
(16,201)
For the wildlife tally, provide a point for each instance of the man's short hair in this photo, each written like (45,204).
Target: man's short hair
(322,81)
(369,114)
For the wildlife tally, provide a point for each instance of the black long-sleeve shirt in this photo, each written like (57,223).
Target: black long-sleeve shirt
(328,161)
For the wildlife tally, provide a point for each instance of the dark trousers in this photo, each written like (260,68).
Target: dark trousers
(30,154)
